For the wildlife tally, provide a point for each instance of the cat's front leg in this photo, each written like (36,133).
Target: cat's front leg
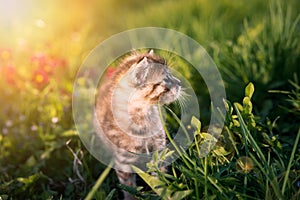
(128,179)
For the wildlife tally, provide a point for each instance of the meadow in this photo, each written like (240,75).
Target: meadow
(256,48)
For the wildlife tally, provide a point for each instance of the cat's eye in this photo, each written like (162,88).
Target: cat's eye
(168,83)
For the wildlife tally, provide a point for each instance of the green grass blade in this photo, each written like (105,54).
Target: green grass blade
(152,181)
(269,173)
(290,163)
(159,188)
(249,137)
(180,123)
(98,182)
(110,195)
(170,138)
(181,194)
(270,178)
(205,178)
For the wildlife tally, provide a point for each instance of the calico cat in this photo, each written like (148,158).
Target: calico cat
(127,116)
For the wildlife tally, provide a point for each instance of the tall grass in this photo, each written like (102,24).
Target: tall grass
(251,166)
(265,53)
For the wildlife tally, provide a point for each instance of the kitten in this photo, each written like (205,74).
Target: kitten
(127,113)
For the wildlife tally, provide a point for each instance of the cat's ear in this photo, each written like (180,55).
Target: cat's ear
(151,52)
(140,71)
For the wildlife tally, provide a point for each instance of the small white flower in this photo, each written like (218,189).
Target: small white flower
(5,131)
(33,128)
(54,120)
(22,117)
(8,123)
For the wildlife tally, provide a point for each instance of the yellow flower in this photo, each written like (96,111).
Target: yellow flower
(39,78)
(244,164)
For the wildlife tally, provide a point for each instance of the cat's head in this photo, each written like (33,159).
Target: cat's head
(151,77)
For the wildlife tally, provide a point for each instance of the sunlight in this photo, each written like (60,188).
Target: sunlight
(13,12)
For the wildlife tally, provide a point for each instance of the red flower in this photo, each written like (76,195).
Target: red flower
(57,62)
(54,63)
(9,73)
(110,71)
(39,59)
(40,78)
(46,67)
(47,63)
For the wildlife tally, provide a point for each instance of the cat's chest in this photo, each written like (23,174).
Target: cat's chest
(150,144)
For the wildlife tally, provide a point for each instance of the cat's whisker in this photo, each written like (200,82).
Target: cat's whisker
(181,103)
(183,97)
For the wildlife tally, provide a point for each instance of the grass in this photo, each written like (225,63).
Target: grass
(256,157)
(247,172)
